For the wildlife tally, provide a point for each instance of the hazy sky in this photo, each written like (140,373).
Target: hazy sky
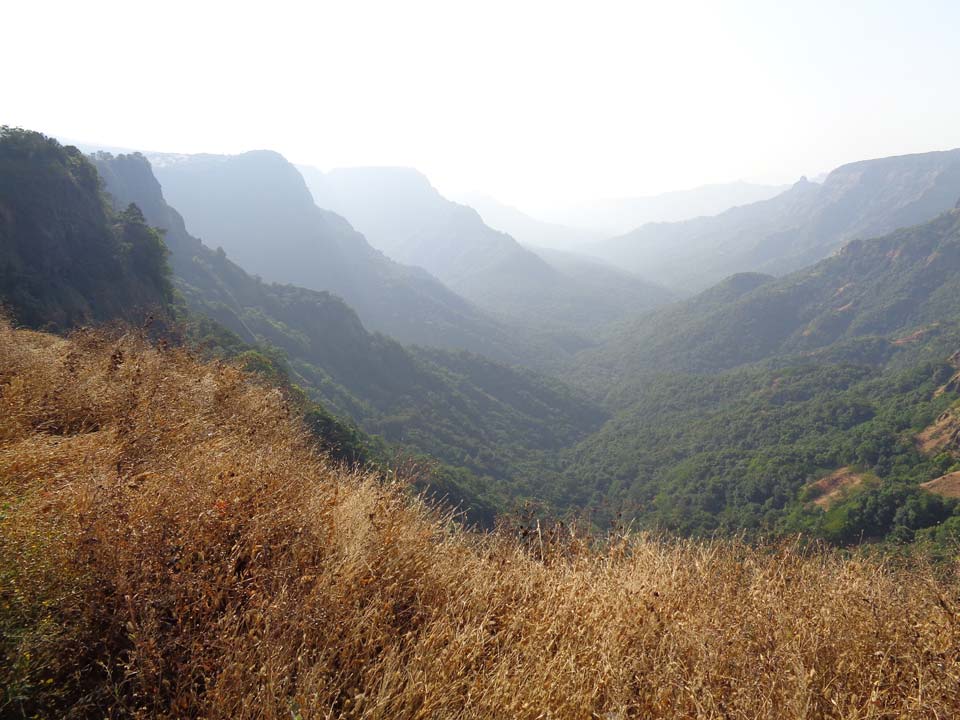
(532,102)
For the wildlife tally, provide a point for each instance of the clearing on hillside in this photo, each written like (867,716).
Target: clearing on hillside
(946,485)
(942,434)
(831,488)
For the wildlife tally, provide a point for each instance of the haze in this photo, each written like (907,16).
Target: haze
(538,104)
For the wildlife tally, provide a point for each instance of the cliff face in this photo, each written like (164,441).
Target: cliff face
(66,257)
(257,207)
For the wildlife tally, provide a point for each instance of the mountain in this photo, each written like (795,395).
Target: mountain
(499,429)
(66,257)
(258,209)
(877,289)
(620,215)
(405,217)
(527,229)
(794,229)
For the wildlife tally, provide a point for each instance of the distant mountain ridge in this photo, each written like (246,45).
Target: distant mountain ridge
(620,215)
(796,228)
(529,230)
(257,207)
(401,213)
(876,288)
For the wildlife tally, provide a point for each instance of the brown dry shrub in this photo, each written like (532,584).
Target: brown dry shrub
(172,545)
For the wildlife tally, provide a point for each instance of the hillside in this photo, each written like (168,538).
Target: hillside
(171,545)
(257,208)
(501,427)
(66,258)
(871,296)
(743,451)
(404,216)
(796,228)
(733,405)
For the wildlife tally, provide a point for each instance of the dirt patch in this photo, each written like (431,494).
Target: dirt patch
(916,336)
(946,485)
(832,487)
(942,434)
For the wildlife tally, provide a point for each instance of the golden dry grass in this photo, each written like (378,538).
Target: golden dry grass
(171,545)
(833,487)
(946,485)
(942,434)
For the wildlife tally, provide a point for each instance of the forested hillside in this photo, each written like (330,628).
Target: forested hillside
(762,404)
(797,228)
(66,257)
(900,284)
(795,404)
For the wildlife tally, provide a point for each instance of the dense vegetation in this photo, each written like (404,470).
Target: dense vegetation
(732,411)
(741,451)
(172,546)
(731,405)
(66,258)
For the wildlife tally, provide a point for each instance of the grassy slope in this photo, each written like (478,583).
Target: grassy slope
(172,546)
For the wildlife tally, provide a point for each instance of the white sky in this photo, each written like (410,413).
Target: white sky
(533,102)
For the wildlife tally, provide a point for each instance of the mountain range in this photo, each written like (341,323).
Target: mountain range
(619,215)
(794,229)
(402,214)
(258,209)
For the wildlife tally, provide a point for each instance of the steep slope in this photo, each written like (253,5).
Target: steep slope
(888,287)
(178,549)
(257,208)
(796,228)
(498,423)
(65,257)
(403,215)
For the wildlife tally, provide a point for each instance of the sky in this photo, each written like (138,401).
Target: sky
(539,104)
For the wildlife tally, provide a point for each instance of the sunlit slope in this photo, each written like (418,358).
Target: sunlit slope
(172,545)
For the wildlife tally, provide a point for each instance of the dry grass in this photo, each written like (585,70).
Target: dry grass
(946,485)
(172,546)
(942,434)
(834,487)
